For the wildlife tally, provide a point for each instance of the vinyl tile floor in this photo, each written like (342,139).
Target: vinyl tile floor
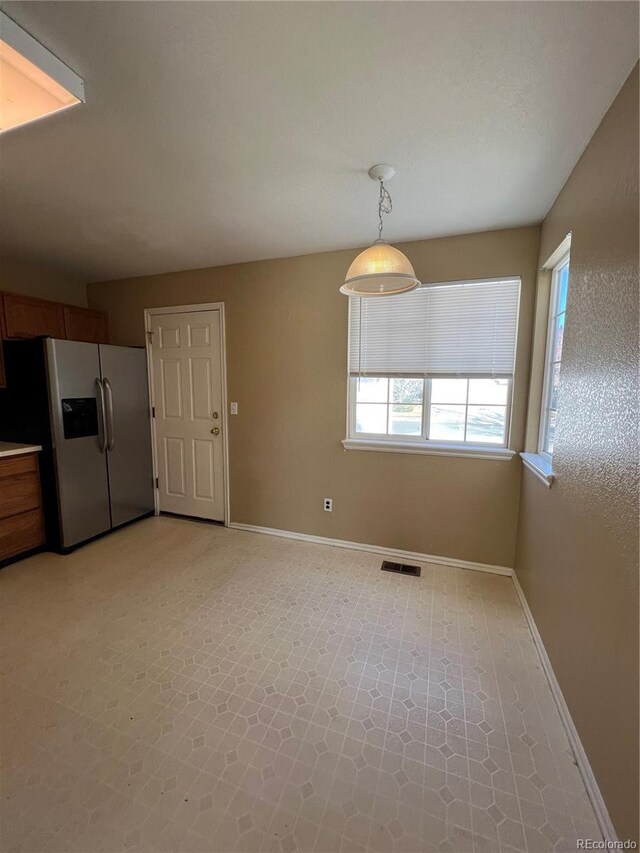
(187,688)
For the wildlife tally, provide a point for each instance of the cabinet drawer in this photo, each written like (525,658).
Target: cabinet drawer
(19,493)
(12,465)
(21,533)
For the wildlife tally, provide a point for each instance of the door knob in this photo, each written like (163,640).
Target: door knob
(215,431)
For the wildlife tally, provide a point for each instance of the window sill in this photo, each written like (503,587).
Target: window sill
(470,451)
(539,466)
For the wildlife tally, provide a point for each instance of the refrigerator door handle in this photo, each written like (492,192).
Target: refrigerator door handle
(111,439)
(102,428)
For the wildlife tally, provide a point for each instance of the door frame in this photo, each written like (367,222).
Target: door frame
(188,309)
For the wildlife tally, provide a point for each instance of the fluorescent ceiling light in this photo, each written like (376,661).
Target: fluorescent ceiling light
(33,82)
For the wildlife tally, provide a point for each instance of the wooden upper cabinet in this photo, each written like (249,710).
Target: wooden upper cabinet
(26,317)
(83,324)
(3,380)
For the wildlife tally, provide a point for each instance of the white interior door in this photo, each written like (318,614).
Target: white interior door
(187,395)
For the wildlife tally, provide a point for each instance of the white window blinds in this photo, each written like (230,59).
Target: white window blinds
(463,328)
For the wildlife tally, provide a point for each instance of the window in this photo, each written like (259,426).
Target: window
(434,367)
(553,357)
(469,410)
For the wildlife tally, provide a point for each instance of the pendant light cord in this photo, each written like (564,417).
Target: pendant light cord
(385,206)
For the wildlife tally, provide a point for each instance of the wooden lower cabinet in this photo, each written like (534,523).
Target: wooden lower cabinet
(19,485)
(20,533)
(21,519)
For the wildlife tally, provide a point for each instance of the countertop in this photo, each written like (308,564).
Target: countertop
(8,448)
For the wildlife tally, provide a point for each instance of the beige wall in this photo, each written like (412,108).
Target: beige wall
(577,554)
(40,280)
(286,353)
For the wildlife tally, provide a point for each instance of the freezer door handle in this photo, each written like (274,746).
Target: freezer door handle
(111,439)
(102,423)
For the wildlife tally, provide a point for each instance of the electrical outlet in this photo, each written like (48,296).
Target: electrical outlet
(328,504)
(234,408)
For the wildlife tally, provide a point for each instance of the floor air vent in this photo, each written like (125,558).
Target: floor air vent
(400,568)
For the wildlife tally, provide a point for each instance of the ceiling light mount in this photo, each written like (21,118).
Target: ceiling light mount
(380,270)
(381,172)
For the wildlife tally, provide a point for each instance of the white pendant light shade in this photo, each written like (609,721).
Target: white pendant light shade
(380,270)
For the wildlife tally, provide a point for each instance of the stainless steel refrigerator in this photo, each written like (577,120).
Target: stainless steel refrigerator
(88,406)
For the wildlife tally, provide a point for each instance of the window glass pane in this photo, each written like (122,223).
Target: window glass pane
(448,390)
(405,420)
(407,390)
(555,385)
(486,424)
(447,423)
(551,431)
(371,417)
(488,391)
(558,336)
(563,287)
(554,356)
(371,389)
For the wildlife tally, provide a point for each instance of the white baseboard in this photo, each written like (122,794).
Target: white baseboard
(593,791)
(376,549)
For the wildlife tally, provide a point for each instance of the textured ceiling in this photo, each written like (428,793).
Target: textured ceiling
(223,132)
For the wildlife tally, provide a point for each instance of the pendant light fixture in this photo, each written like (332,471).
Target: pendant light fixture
(380,270)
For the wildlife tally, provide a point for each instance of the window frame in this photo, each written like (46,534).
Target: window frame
(550,344)
(377,436)
(422,439)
